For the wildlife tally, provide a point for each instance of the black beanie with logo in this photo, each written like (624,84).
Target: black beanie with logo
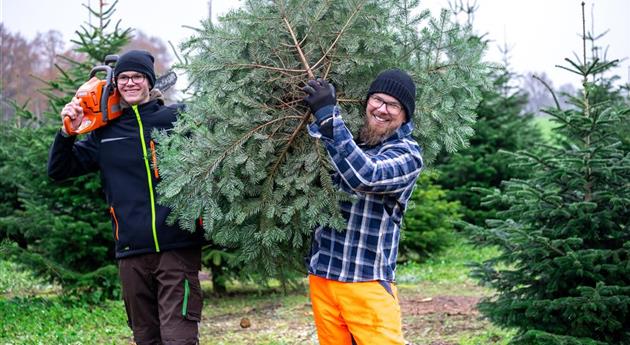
(140,61)
(398,84)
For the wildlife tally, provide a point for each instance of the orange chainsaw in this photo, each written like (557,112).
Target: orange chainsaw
(99,99)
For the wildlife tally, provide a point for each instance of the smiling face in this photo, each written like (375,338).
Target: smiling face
(383,116)
(133,87)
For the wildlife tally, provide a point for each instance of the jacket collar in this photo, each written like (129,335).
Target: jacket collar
(150,106)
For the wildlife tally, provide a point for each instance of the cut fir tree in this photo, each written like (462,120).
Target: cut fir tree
(241,159)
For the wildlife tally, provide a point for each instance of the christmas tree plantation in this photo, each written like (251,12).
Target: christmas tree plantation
(563,276)
(241,158)
(501,126)
(61,231)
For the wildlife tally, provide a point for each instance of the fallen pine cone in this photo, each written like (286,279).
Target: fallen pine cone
(245,323)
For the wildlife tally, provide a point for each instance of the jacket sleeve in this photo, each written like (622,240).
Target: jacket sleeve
(392,170)
(68,158)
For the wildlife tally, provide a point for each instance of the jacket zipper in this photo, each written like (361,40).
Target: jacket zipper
(113,213)
(154,159)
(149,180)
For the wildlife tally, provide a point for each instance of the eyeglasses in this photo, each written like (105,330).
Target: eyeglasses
(393,108)
(136,78)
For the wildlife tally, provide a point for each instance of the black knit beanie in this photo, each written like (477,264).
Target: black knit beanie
(140,61)
(398,84)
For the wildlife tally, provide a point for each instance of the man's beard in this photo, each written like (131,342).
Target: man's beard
(372,136)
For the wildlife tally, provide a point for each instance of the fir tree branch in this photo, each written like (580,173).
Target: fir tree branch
(553,94)
(438,46)
(278,57)
(285,104)
(325,175)
(437,69)
(240,141)
(181,61)
(284,152)
(563,120)
(539,240)
(349,100)
(286,71)
(341,32)
(305,117)
(309,71)
(298,47)
(40,263)
(292,46)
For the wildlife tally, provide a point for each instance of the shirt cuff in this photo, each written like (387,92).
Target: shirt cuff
(324,129)
(325,113)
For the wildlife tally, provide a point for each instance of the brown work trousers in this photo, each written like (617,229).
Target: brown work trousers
(163,296)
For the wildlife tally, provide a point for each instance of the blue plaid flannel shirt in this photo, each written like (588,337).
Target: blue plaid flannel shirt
(381,179)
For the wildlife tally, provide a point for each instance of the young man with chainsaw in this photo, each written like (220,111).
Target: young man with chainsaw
(351,272)
(158,263)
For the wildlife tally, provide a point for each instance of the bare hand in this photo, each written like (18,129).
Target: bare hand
(74,111)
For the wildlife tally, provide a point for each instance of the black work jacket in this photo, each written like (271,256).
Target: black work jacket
(124,153)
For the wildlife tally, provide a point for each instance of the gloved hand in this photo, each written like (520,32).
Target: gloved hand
(320,95)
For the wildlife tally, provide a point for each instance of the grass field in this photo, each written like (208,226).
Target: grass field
(437,301)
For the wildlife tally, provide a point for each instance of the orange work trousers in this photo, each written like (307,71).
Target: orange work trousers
(364,312)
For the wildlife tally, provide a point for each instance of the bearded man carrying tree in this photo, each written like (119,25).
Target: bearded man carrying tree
(352,271)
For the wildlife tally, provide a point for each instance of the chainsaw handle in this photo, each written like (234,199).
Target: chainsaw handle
(103,68)
(67,125)
(107,89)
(109,59)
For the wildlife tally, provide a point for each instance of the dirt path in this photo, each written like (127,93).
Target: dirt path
(439,320)
(435,320)
(450,305)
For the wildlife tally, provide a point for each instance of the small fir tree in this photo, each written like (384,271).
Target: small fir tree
(563,275)
(429,221)
(62,231)
(241,157)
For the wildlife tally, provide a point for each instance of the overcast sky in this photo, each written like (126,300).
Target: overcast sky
(541,33)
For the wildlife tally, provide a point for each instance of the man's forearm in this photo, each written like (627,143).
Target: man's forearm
(62,163)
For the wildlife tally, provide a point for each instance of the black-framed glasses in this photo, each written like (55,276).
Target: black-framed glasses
(124,79)
(393,108)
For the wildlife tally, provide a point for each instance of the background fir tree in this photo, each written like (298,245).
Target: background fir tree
(241,157)
(430,219)
(563,275)
(501,126)
(62,231)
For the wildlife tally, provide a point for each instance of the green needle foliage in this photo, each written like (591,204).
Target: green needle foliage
(429,221)
(501,126)
(241,157)
(60,231)
(563,275)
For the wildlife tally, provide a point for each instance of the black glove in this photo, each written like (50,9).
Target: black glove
(319,95)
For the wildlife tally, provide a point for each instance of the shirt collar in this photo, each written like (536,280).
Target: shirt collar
(403,131)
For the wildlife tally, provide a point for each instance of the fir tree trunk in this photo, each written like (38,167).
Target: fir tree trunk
(219,281)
